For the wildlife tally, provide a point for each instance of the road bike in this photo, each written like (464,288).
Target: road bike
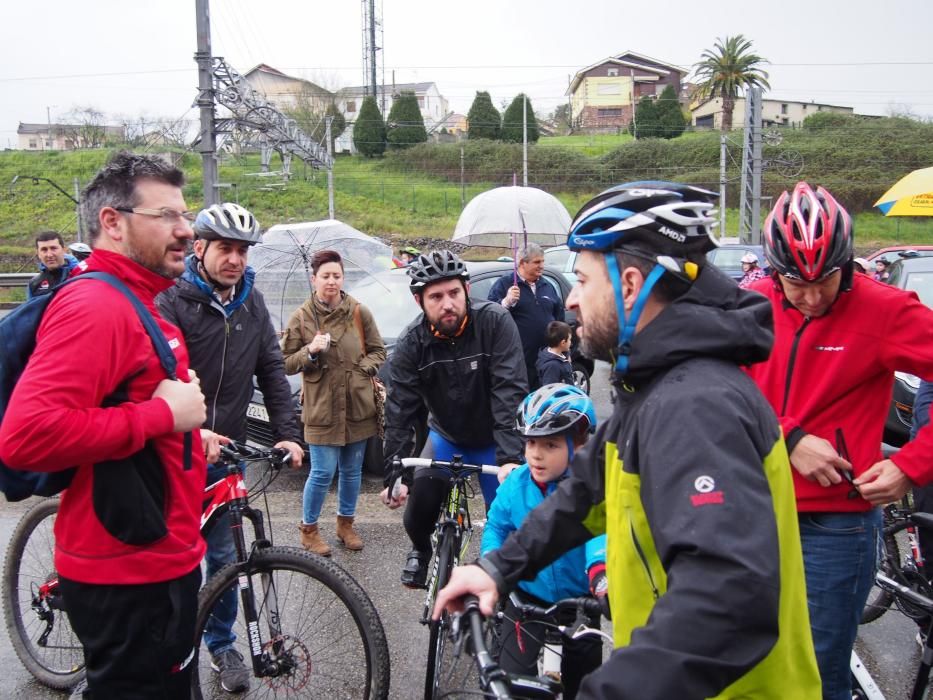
(908,569)
(451,540)
(473,639)
(303,625)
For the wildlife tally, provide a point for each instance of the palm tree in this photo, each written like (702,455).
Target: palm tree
(729,67)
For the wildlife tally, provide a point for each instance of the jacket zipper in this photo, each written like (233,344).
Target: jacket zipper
(223,366)
(790,364)
(644,561)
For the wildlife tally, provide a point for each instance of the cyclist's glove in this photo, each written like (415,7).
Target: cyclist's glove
(599,587)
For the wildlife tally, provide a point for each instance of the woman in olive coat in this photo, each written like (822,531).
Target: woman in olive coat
(322,341)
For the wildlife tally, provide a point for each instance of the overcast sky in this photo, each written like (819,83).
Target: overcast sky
(132,58)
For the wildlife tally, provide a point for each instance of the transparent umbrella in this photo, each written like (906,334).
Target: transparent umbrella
(283,261)
(506,216)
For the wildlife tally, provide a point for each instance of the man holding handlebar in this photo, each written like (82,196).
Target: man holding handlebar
(689,477)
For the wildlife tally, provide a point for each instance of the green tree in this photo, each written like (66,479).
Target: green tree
(406,125)
(645,124)
(483,121)
(671,121)
(369,130)
(512,122)
(727,68)
(561,117)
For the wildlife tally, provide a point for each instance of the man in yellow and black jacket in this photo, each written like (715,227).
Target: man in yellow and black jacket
(689,478)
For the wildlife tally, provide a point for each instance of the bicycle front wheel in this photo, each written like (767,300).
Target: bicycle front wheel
(38,627)
(318,633)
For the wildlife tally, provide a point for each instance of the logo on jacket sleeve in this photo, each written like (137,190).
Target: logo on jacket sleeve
(174,343)
(706,493)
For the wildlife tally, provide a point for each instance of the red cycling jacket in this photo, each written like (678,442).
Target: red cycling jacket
(836,373)
(132,512)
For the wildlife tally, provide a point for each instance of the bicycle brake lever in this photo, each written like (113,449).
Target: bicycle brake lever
(583,631)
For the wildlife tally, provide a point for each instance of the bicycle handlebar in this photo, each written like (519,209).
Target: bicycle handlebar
(587,605)
(455,467)
(236,452)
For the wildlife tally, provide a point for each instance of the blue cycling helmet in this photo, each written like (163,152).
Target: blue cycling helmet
(555,409)
(668,223)
(669,218)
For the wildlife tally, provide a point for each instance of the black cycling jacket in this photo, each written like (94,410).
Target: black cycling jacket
(227,351)
(472,384)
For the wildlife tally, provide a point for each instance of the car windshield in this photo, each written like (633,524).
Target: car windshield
(729,258)
(388,298)
(922,284)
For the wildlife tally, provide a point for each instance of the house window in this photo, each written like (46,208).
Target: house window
(606,112)
(48,144)
(33,143)
(609,89)
(784,108)
(351,106)
(613,72)
(421,101)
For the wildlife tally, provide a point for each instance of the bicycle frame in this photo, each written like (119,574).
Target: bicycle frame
(455,518)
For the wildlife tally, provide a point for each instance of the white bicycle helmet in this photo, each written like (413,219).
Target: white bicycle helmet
(229,221)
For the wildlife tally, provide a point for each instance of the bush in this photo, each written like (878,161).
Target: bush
(645,124)
(369,130)
(406,126)
(512,122)
(483,118)
(671,121)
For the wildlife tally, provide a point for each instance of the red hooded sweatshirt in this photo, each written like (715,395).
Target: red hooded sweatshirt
(836,372)
(121,521)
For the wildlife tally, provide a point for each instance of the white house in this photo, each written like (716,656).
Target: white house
(773,112)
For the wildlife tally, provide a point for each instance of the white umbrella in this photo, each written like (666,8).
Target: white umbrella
(501,217)
(283,260)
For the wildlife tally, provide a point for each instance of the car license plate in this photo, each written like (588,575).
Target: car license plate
(257,411)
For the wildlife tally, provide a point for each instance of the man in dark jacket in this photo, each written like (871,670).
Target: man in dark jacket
(533,303)
(462,362)
(230,339)
(54,264)
(688,478)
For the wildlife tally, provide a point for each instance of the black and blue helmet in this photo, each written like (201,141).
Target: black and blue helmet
(670,218)
(555,409)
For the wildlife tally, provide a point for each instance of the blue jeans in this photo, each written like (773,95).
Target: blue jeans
(325,460)
(839,558)
(443,450)
(218,632)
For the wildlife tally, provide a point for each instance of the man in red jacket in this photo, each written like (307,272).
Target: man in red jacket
(829,379)
(127,539)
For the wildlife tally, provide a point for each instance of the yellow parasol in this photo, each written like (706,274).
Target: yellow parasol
(912,195)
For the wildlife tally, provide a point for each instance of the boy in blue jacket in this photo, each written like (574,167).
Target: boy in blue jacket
(555,419)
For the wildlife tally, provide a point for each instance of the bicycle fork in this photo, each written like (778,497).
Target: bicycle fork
(864,686)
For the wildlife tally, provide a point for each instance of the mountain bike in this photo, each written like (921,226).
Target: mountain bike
(303,624)
(863,685)
(908,570)
(472,637)
(450,540)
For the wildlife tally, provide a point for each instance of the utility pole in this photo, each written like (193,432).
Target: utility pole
(462,180)
(524,140)
(330,170)
(77,187)
(634,123)
(207,146)
(722,186)
(750,206)
(48,116)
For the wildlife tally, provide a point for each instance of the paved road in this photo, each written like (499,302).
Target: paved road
(887,645)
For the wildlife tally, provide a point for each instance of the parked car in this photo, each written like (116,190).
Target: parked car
(914,274)
(728,258)
(891,253)
(387,295)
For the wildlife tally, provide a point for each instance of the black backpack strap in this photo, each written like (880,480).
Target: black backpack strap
(159,343)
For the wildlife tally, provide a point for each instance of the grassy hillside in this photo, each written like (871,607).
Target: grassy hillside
(417,193)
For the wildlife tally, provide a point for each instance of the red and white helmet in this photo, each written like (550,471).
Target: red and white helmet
(808,234)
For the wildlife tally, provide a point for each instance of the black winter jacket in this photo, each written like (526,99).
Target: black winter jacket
(472,384)
(227,351)
(553,368)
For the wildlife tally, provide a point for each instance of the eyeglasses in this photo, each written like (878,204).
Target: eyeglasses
(169,216)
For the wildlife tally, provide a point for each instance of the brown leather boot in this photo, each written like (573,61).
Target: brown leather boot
(346,534)
(312,541)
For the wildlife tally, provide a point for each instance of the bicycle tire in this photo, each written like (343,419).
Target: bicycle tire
(335,643)
(879,600)
(446,554)
(29,563)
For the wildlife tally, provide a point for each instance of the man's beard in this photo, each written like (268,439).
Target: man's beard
(449,328)
(600,337)
(151,259)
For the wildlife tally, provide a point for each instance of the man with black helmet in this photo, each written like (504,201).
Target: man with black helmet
(688,478)
(463,362)
(829,378)
(230,340)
